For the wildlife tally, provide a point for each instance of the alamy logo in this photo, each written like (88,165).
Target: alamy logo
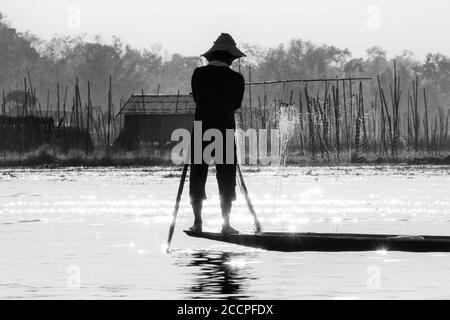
(374,280)
(373,21)
(74,278)
(213,145)
(74,17)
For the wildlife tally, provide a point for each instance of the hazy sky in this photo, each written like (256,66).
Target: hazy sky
(190,27)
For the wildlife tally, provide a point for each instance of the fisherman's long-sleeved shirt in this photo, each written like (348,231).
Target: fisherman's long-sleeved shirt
(218,91)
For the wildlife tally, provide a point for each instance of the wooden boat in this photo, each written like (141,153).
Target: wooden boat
(331,242)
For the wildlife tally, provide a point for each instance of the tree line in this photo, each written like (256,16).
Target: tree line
(64,58)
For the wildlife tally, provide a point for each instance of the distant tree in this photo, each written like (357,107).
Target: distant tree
(354,67)
(437,69)
(16,54)
(435,72)
(63,58)
(176,73)
(376,62)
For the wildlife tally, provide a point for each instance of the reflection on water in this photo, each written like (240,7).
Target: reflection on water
(217,275)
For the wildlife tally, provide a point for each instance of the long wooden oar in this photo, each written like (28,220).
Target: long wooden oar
(249,202)
(177,205)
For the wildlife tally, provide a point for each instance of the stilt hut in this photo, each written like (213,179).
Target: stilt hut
(149,120)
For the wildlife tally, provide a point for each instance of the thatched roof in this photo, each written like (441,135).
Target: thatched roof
(139,104)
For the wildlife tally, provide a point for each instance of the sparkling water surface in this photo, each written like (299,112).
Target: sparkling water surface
(100,233)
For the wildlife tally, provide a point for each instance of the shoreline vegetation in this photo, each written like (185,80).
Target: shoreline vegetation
(60,109)
(47,158)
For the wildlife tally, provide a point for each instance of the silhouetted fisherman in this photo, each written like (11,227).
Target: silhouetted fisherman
(218,91)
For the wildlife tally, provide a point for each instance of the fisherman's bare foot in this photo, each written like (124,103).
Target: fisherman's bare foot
(196,228)
(227,229)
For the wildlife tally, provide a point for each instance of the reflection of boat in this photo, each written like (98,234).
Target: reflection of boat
(283,241)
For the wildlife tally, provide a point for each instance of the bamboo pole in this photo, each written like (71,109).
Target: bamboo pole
(47,105)
(362,112)
(416,114)
(102,122)
(317,120)
(24,110)
(383,129)
(97,127)
(2,142)
(305,81)
(352,102)
(72,122)
(324,116)
(357,134)
(3,103)
(409,124)
(337,118)
(80,107)
(345,114)
(441,126)
(427,136)
(33,91)
(265,108)
(311,124)
(109,109)
(76,104)
(446,126)
(374,120)
(300,114)
(57,103)
(86,143)
(250,96)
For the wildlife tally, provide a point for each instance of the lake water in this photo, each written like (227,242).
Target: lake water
(100,233)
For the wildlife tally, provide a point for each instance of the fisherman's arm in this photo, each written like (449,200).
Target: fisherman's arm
(240,91)
(194,85)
